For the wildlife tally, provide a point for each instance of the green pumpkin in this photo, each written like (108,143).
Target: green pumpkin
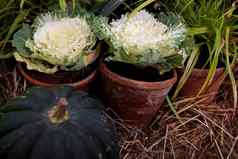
(56,124)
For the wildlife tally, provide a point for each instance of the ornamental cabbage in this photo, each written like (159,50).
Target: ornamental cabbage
(56,42)
(146,40)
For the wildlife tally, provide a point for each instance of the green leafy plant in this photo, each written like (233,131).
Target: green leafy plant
(146,40)
(57,41)
(12,15)
(212,23)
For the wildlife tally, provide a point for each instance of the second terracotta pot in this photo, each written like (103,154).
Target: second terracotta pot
(136,102)
(196,80)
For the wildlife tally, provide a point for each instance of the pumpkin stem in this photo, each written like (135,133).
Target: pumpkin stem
(59,113)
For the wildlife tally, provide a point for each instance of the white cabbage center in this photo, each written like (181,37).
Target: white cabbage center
(63,38)
(142,31)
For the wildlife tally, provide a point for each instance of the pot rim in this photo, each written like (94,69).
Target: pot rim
(135,83)
(44,84)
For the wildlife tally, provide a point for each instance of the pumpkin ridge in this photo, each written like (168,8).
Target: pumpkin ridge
(77,148)
(13,137)
(104,140)
(23,146)
(94,144)
(8,124)
(43,146)
(37,142)
(109,143)
(58,150)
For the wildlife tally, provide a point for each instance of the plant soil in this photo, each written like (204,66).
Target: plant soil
(203,57)
(146,74)
(61,77)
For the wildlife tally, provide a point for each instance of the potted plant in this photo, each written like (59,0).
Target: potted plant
(139,70)
(211,23)
(58,48)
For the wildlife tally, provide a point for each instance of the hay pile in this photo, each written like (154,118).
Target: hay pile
(200,131)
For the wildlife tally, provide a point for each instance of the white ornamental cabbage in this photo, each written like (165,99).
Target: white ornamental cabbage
(65,42)
(143,39)
(139,33)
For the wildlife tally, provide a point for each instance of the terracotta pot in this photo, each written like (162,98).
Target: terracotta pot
(136,102)
(83,84)
(236,72)
(197,78)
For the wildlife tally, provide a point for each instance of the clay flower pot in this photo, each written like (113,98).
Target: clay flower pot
(197,78)
(74,79)
(236,71)
(136,102)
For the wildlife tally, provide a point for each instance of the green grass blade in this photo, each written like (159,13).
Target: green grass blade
(229,69)
(173,109)
(5,55)
(214,55)
(20,17)
(186,6)
(187,72)
(10,3)
(63,4)
(197,30)
(22,3)
(140,7)
(211,72)
(74,5)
